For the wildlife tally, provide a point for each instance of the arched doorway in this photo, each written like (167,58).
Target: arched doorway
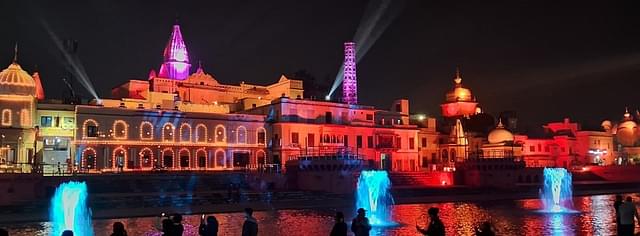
(119,159)
(146,158)
(167,158)
(201,158)
(88,159)
(220,159)
(185,155)
(261,158)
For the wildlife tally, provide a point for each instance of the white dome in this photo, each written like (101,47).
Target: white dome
(15,81)
(500,134)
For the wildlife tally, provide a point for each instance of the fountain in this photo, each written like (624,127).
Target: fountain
(373,195)
(556,193)
(69,210)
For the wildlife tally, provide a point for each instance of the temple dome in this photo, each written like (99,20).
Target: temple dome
(15,81)
(626,132)
(500,134)
(459,93)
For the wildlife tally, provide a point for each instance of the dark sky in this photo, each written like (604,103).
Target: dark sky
(544,60)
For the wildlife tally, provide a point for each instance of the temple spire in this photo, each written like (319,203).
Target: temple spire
(15,53)
(458,78)
(176,57)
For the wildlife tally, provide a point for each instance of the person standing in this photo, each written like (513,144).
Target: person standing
(360,225)
(340,227)
(436,227)
(118,229)
(250,226)
(628,213)
(616,206)
(210,228)
(177,228)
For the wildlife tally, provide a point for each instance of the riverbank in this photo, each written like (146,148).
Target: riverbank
(128,207)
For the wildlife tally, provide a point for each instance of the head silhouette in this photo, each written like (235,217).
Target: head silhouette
(433,212)
(177,218)
(361,212)
(67,233)
(248,211)
(118,227)
(339,216)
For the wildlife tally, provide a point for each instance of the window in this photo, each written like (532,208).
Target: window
(45,121)
(398,142)
(532,148)
(119,129)
(369,116)
(359,141)
(242,134)
(294,138)
(424,142)
(146,130)
(25,117)
(346,140)
(412,143)
(398,107)
(92,131)
(220,135)
(370,141)
(262,136)
(311,140)
(6,117)
(539,147)
(276,140)
(68,123)
(546,148)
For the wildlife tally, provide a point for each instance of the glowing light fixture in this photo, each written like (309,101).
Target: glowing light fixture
(349,81)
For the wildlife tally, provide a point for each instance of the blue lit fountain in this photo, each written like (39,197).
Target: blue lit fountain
(556,193)
(374,196)
(69,210)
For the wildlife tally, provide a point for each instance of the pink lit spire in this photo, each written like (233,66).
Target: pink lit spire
(176,58)
(349,81)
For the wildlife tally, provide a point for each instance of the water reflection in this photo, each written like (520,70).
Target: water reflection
(508,217)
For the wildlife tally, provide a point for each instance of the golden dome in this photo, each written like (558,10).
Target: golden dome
(459,93)
(15,81)
(627,131)
(500,134)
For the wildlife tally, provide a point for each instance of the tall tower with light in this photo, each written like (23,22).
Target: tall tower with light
(349,79)
(176,58)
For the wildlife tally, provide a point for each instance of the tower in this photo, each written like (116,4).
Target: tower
(349,80)
(176,58)
(459,102)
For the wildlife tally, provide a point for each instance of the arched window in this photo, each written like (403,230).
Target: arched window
(261,136)
(146,130)
(6,117)
(201,133)
(119,158)
(220,134)
(167,158)
(261,158)
(220,158)
(453,155)
(445,156)
(25,117)
(185,158)
(168,132)
(241,133)
(120,129)
(185,132)
(201,158)
(146,158)
(88,159)
(90,129)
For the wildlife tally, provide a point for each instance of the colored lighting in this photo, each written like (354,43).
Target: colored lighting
(176,58)
(557,193)
(349,81)
(374,196)
(69,210)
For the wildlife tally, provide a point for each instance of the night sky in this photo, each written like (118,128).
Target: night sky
(546,61)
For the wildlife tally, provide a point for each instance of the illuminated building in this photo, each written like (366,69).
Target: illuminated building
(316,129)
(17,109)
(56,133)
(349,81)
(198,92)
(459,102)
(146,139)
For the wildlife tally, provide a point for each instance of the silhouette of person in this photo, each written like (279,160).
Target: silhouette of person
(177,227)
(628,212)
(250,226)
(340,227)
(4,232)
(167,227)
(616,206)
(210,227)
(67,233)
(118,229)
(360,225)
(485,229)
(436,227)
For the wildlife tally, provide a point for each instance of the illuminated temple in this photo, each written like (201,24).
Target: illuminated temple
(182,118)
